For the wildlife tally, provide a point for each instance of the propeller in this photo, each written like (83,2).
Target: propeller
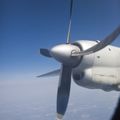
(50,74)
(45,52)
(64,54)
(63,90)
(69,28)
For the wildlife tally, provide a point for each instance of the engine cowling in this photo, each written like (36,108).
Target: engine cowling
(94,72)
(95,78)
(83,78)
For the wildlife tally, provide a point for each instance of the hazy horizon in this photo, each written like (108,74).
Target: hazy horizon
(36,99)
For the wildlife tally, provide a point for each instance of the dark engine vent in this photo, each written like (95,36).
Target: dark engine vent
(78,77)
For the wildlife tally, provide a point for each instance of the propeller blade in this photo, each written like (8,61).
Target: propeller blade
(70,21)
(108,40)
(50,74)
(45,52)
(63,91)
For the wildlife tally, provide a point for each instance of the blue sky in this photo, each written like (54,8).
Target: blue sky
(27,25)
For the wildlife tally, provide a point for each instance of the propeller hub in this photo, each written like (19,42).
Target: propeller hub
(67,54)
